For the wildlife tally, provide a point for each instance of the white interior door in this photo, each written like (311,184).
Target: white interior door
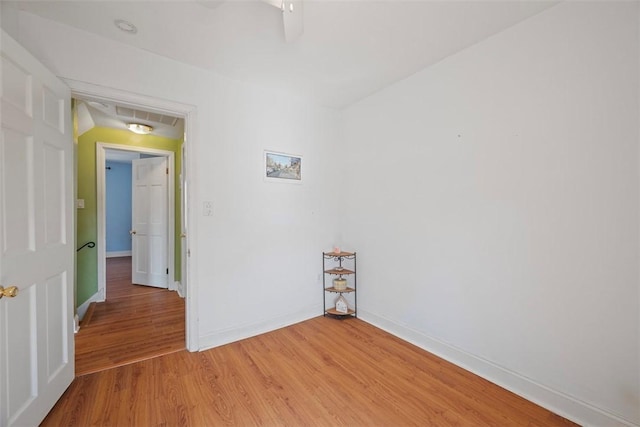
(149,222)
(36,240)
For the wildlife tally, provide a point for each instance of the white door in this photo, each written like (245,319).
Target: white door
(36,238)
(149,222)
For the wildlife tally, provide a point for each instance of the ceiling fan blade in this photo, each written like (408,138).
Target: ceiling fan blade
(274,3)
(292,16)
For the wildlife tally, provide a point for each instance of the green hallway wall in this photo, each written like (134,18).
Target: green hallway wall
(87,218)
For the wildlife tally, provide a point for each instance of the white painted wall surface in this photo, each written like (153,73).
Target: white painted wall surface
(493,202)
(9,19)
(256,260)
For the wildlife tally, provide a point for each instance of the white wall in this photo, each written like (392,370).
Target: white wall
(494,207)
(255,261)
(9,18)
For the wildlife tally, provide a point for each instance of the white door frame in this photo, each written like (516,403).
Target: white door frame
(101,186)
(189,113)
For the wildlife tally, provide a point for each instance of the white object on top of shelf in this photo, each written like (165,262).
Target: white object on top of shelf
(341,305)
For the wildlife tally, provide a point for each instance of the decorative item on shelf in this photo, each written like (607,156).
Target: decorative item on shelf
(341,305)
(336,249)
(340,284)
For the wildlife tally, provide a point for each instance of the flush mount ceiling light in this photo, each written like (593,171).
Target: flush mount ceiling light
(139,128)
(292,17)
(125,26)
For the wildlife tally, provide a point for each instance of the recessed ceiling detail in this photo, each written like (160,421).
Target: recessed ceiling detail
(125,26)
(146,116)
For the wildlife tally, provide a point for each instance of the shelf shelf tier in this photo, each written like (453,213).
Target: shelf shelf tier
(339,291)
(341,272)
(335,312)
(329,255)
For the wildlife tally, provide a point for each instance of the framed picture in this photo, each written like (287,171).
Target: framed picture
(282,167)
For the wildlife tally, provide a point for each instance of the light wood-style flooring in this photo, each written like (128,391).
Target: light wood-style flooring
(134,323)
(321,372)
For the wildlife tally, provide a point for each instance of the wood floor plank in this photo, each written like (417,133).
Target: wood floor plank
(321,372)
(134,323)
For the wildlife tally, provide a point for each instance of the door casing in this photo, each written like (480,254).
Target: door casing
(101,243)
(85,90)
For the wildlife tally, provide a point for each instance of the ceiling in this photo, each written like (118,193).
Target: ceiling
(91,113)
(348,50)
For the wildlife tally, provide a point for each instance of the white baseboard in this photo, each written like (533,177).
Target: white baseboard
(227,336)
(116,254)
(180,288)
(555,401)
(82,309)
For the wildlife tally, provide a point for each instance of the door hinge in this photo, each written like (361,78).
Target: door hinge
(167,271)
(167,171)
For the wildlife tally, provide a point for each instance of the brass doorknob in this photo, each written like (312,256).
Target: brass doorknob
(9,292)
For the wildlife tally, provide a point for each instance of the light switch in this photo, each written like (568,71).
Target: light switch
(80,203)
(207,208)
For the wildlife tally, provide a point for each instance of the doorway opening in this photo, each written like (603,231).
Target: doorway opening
(130,322)
(100,94)
(153,248)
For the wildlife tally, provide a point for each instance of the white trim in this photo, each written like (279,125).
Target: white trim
(82,309)
(128,99)
(189,267)
(189,113)
(177,286)
(101,225)
(557,402)
(101,242)
(227,336)
(116,254)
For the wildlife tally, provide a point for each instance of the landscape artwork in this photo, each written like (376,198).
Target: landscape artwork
(282,167)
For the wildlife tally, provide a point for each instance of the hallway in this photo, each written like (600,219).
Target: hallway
(135,323)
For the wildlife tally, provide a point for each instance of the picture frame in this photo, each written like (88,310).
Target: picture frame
(282,167)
